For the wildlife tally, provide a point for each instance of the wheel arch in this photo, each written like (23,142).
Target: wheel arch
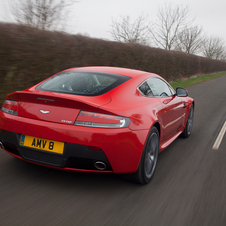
(193,103)
(157,125)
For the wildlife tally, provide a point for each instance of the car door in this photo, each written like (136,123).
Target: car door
(173,112)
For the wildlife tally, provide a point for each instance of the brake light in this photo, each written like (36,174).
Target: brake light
(10,107)
(91,119)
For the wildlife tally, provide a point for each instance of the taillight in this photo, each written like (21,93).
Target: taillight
(91,119)
(10,107)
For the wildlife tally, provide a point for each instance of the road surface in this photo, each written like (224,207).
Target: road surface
(188,189)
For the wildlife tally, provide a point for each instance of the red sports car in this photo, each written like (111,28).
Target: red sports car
(96,119)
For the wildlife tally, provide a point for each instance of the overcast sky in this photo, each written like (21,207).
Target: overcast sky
(94,17)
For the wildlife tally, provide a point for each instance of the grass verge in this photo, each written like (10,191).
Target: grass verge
(195,80)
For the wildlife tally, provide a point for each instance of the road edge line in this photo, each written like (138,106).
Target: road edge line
(220,137)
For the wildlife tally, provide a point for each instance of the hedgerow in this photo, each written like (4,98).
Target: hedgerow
(29,55)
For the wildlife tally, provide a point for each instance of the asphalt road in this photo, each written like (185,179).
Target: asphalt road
(189,186)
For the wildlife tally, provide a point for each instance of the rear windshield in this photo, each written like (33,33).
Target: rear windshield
(82,83)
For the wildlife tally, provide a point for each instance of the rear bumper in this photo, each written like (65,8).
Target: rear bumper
(121,148)
(75,156)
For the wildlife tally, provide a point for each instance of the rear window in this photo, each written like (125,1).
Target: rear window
(82,83)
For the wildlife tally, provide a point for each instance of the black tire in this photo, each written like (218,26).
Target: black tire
(148,160)
(187,130)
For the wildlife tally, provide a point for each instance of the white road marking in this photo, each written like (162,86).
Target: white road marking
(220,137)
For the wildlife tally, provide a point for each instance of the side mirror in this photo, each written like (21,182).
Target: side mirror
(181,92)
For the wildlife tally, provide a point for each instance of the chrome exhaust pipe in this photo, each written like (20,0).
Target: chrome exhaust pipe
(1,145)
(100,165)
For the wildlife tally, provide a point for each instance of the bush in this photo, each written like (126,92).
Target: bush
(29,55)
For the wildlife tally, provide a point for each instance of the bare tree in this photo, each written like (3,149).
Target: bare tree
(214,48)
(42,14)
(190,40)
(171,20)
(128,31)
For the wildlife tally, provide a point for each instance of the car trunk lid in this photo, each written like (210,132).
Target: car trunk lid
(55,107)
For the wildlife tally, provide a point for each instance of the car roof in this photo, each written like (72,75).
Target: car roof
(113,70)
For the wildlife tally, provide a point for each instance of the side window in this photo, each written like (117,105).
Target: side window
(145,89)
(172,90)
(159,87)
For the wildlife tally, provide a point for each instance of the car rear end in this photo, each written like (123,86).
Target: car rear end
(59,123)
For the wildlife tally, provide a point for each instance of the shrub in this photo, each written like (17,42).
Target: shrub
(29,55)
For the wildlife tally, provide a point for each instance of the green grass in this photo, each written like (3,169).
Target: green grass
(195,80)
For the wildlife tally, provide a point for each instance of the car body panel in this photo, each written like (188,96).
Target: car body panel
(172,115)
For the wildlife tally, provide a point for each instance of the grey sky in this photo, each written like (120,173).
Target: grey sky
(94,17)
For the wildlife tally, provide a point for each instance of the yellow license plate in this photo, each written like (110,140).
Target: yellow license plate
(42,144)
